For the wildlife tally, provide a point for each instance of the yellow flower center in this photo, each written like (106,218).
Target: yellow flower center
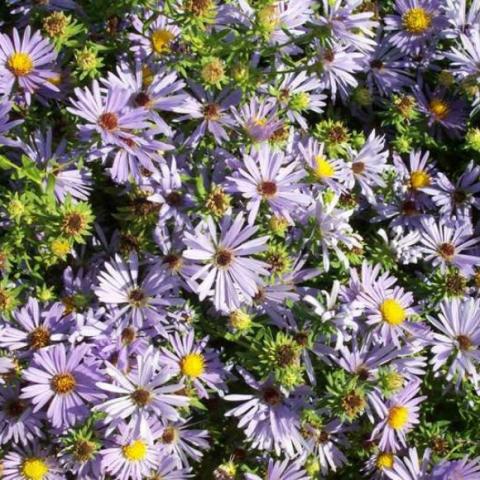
(260,122)
(63,383)
(240,320)
(268,18)
(20,63)
(392,312)
(192,365)
(161,40)
(419,179)
(416,20)
(60,247)
(135,451)
(439,108)
(34,469)
(322,168)
(397,417)
(147,76)
(384,460)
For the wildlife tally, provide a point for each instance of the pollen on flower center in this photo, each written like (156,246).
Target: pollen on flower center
(141,397)
(419,179)
(135,451)
(385,460)
(439,108)
(447,251)
(20,63)
(39,337)
(322,168)
(392,312)
(416,20)
(397,417)
(223,258)
(161,40)
(267,189)
(108,121)
(63,383)
(34,469)
(192,365)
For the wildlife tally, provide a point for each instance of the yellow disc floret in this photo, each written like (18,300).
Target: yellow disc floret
(384,460)
(392,312)
(416,20)
(161,40)
(192,365)
(419,179)
(439,108)
(322,168)
(135,451)
(20,63)
(34,469)
(397,417)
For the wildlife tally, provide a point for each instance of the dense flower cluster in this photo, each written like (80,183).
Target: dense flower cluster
(239,239)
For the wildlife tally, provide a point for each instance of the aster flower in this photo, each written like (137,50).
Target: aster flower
(213,112)
(258,119)
(108,114)
(167,470)
(153,37)
(35,328)
(354,29)
(463,16)
(415,23)
(132,456)
(398,415)
(6,124)
(323,170)
(182,444)
(269,417)
(368,165)
(465,58)
(145,302)
(195,363)
(27,62)
(68,179)
(267,177)
(281,470)
(60,378)
(410,467)
(464,469)
(332,230)
(225,261)
(444,245)
(142,391)
(18,425)
(457,339)
(336,67)
(30,464)
(419,174)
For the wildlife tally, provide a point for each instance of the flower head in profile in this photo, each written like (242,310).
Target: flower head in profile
(398,416)
(224,264)
(26,62)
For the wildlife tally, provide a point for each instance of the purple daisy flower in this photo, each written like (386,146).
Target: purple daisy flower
(168,470)
(6,124)
(141,391)
(133,456)
(281,470)
(267,177)
(17,423)
(463,469)
(415,24)
(443,245)
(269,417)
(144,302)
(34,328)
(214,112)
(27,61)
(410,467)
(181,444)
(465,57)
(195,363)
(61,379)
(398,416)
(108,114)
(463,16)
(30,464)
(225,261)
(457,339)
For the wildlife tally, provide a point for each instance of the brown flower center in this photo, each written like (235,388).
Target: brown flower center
(267,189)
(447,251)
(108,121)
(169,435)
(142,99)
(272,396)
(464,342)
(174,199)
(211,111)
(83,450)
(358,167)
(136,297)
(141,397)
(63,383)
(128,335)
(73,223)
(223,258)
(15,407)
(39,338)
